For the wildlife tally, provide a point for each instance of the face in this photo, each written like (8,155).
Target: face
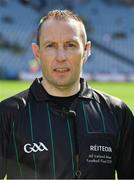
(61,52)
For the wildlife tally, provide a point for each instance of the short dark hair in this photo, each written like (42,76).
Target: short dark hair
(58,15)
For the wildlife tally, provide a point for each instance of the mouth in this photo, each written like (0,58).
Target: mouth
(61,70)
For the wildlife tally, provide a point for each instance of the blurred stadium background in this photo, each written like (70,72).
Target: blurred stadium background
(110,28)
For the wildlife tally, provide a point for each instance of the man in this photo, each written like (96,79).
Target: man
(60,128)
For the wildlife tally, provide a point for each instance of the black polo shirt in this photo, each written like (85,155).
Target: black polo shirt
(90,137)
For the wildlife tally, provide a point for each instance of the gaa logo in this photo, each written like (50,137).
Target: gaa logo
(28,148)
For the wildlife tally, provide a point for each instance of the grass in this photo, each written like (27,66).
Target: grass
(124,91)
(9,88)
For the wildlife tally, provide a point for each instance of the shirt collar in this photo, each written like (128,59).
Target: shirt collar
(40,94)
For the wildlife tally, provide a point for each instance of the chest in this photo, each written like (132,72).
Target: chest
(43,129)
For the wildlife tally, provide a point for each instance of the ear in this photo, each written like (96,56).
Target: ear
(36,53)
(87,52)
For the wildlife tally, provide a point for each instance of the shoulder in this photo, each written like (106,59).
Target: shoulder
(102,96)
(115,104)
(15,102)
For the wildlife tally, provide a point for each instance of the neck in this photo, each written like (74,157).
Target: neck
(61,91)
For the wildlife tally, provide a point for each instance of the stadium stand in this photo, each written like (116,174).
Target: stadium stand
(109,26)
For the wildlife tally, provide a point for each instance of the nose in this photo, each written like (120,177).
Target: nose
(61,55)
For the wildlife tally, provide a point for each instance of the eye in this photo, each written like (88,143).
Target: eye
(71,45)
(49,45)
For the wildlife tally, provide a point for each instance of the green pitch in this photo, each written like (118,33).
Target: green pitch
(124,91)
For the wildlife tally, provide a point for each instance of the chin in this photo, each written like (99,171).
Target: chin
(65,83)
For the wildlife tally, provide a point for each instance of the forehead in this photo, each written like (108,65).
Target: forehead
(60,29)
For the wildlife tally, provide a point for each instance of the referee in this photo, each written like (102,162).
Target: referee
(60,128)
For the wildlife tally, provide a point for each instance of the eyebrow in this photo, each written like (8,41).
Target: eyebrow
(71,40)
(48,42)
